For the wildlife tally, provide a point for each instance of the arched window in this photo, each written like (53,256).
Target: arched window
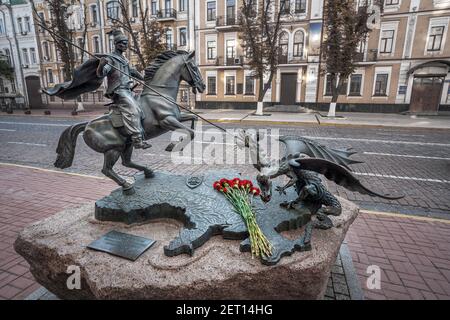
(284,47)
(112,10)
(299,41)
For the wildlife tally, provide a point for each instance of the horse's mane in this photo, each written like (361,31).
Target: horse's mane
(162,58)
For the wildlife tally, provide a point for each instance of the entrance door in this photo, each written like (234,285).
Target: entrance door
(426,94)
(288,88)
(33,87)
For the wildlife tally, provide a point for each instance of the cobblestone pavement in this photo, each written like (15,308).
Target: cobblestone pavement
(414,162)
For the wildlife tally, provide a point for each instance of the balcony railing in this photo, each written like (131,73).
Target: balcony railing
(167,14)
(290,58)
(228,21)
(372,56)
(230,61)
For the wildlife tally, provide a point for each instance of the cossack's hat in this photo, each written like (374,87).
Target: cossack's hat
(118,36)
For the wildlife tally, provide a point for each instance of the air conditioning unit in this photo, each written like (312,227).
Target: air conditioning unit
(25,66)
(237,60)
(24,33)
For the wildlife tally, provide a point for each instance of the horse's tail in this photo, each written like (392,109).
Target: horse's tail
(66,145)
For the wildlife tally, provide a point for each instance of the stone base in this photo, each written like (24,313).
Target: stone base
(217,270)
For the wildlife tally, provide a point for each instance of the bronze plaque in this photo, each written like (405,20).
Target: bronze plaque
(121,244)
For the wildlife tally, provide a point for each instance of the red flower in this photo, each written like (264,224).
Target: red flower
(216,185)
(255,191)
(224,182)
(246,184)
(224,190)
(235,181)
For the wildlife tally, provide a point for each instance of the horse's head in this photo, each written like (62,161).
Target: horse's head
(191,74)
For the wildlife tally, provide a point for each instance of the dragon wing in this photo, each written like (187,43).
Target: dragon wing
(296,144)
(336,173)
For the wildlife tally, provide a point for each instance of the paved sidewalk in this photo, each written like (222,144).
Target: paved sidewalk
(286,118)
(413,253)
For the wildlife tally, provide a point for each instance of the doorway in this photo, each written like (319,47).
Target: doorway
(288,90)
(33,88)
(426,94)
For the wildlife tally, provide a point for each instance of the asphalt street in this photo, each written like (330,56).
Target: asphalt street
(410,161)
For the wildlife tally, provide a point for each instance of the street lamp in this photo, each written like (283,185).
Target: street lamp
(7,4)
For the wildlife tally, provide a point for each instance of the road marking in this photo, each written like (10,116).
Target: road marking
(400,134)
(404,156)
(36,124)
(402,215)
(9,130)
(383,141)
(28,143)
(399,177)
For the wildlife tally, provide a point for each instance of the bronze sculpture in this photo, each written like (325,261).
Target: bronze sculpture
(161,114)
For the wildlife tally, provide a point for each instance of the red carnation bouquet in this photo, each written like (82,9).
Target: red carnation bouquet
(240,193)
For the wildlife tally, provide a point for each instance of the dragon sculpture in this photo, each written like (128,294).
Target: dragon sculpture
(303,162)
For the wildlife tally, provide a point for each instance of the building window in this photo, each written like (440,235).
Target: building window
(300,6)
(169,42)
(112,10)
(19,25)
(211,10)
(381,84)
(212,85)
(33,55)
(387,41)
(231,12)
(168,5)
(111,43)
(211,45)
(100,96)
(50,76)
(8,57)
(285,6)
(284,46)
(392,2)
(435,38)
(153,8)
(183,35)
(134,8)
(328,91)
(184,95)
(41,19)
(230,84)
(298,43)
(27,24)
(2,86)
(96,44)
(182,5)
(46,50)
(26,58)
(2,29)
(249,85)
(85,97)
(13,87)
(355,84)
(94,14)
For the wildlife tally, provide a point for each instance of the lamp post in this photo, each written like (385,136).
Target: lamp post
(7,4)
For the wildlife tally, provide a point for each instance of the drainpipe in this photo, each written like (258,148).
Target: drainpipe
(10,11)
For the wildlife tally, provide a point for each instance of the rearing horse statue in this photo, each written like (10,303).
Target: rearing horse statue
(164,74)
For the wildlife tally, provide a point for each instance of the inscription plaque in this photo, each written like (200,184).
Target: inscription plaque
(121,244)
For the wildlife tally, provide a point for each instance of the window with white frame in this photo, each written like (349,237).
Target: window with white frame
(249,84)
(183,36)
(2,29)
(230,84)
(134,8)
(212,85)
(27,24)
(50,78)
(300,6)
(211,11)
(328,84)
(435,38)
(285,6)
(96,44)
(387,41)
(182,5)
(46,50)
(20,25)
(111,43)
(381,84)
(25,56)
(355,85)
(230,49)
(153,8)
(169,39)
(94,14)
(8,57)
(112,10)
(33,55)
(211,49)
(299,39)
(392,2)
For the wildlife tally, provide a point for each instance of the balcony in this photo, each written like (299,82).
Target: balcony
(167,14)
(290,59)
(230,61)
(229,22)
(372,56)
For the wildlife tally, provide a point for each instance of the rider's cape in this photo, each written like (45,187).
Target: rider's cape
(84,80)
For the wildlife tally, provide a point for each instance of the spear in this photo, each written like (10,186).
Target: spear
(135,79)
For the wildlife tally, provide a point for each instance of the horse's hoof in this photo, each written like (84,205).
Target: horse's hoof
(149,174)
(128,191)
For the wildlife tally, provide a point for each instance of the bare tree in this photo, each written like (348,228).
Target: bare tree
(259,34)
(151,43)
(59,20)
(345,29)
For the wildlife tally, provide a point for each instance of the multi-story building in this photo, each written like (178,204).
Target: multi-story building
(172,14)
(18,47)
(404,64)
